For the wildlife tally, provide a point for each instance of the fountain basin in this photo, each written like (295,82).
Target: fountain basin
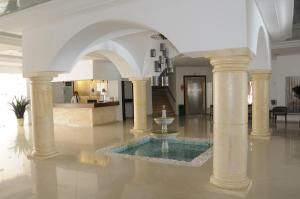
(164,121)
(159,134)
(178,151)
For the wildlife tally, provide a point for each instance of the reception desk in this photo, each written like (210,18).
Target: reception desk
(84,115)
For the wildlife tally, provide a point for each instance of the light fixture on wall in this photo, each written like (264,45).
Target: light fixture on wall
(163,64)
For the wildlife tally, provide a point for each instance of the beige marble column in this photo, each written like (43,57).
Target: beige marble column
(230,89)
(140,105)
(260,105)
(42,117)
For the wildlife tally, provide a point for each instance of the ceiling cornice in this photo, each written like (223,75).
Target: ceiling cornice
(286,44)
(286,48)
(10,39)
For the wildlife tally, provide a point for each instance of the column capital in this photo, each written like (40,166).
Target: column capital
(41,79)
(133,79)
(261,74)
(230,63)
(43,75)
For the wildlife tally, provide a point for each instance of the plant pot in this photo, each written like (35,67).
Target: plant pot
(20,122)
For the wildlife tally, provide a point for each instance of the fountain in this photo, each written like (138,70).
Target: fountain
(164,134)
(163,146)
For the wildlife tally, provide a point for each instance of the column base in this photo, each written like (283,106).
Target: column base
(261,135)
(244,184)
(140,131)
(38,156)
(232,192)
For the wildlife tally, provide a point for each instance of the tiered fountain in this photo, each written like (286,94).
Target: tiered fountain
(164,134)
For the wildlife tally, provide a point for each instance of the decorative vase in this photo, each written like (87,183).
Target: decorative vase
(20,122)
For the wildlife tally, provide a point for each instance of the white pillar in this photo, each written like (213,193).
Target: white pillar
(230,90)
(140,105)
(260,105)
(28,96)
(42,117)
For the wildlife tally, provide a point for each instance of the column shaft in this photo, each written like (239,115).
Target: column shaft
(140,105)
(230,89)
(42,117)
(260,105)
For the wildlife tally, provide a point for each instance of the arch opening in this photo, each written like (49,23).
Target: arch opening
(262,58)
(99,37)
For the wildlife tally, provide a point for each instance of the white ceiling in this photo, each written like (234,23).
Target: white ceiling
(277,14)
(278,17)
(11,50)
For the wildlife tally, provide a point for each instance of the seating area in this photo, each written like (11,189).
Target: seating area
(279,111)
(274,113)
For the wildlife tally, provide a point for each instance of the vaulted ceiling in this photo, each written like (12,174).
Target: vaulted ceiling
(278,17)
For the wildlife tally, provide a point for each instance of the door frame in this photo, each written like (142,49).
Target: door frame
(184,91)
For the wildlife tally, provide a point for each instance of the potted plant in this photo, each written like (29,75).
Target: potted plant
(19,105)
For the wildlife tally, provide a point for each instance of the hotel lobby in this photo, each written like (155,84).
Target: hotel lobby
(149,99)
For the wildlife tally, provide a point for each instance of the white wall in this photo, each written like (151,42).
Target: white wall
(258,37)
(91,69)
(193,70)
(283,66)
(83,70)
(105,70)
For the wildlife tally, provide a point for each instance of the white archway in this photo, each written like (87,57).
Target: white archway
(262,58)
(120,56)
(98,37)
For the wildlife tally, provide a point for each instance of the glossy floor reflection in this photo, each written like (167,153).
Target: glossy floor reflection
(274,166)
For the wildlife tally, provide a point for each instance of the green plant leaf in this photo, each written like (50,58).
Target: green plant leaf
(19,105)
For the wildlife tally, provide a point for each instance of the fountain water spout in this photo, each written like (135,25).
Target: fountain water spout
(164,134)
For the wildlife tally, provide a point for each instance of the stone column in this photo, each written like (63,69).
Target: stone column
(260,105)
(42,117)
(230,90)
(140,105)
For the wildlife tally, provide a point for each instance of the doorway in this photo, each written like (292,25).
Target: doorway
(195,94)
(127,99)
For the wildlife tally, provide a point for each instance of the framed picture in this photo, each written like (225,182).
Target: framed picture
(292,103)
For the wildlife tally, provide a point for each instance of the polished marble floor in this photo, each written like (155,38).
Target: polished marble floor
(274,166)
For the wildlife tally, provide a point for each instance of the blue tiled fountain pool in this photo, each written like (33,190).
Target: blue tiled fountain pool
(176,151)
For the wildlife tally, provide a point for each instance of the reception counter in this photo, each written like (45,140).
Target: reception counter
(83,115)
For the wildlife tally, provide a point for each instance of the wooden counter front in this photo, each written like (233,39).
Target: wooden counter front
(83,115)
